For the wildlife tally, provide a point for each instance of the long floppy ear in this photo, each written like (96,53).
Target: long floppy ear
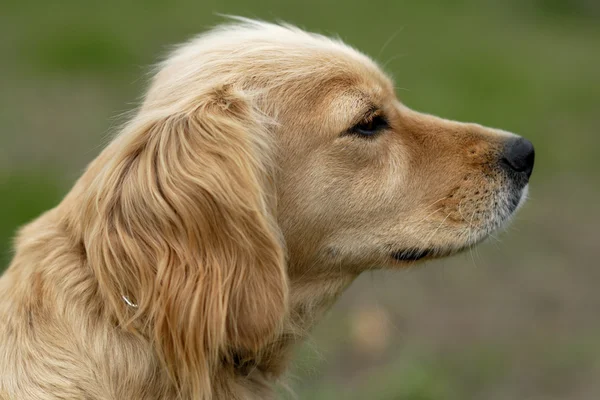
(180,220)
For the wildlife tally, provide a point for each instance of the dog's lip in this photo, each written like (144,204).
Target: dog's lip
(416,254)
(411,254)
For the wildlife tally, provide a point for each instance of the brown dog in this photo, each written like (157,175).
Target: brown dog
(266,169)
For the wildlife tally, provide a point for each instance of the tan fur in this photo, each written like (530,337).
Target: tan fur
(232,211)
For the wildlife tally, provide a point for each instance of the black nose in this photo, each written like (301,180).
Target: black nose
(519,155)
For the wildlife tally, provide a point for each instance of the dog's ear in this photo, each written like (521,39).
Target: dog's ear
(180,222)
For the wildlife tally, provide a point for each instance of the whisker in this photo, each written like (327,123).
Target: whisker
(427,216)
(397,56)
(438,228)
(389,41)
(471,233)
(418,210)
(430,236)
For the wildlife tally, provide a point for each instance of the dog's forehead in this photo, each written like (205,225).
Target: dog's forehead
(342,71)
(365,88)
(353,67)
(276,60)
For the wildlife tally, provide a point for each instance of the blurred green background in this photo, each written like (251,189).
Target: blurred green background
(518,318)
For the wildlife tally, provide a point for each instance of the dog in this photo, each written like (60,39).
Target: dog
(266,169)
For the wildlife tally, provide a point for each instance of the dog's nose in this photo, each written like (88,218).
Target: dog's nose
(519,155)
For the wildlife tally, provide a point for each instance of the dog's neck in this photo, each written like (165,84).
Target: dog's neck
(311,296)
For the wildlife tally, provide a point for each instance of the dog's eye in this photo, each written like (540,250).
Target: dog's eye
(370,126)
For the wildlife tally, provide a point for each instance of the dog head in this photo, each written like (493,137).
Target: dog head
(262,153)
(362,180)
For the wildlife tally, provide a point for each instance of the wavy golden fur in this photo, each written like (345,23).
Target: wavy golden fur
(266,168)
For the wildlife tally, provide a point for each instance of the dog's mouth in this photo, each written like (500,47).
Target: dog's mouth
(415,254)
(411,254)
(506,207)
